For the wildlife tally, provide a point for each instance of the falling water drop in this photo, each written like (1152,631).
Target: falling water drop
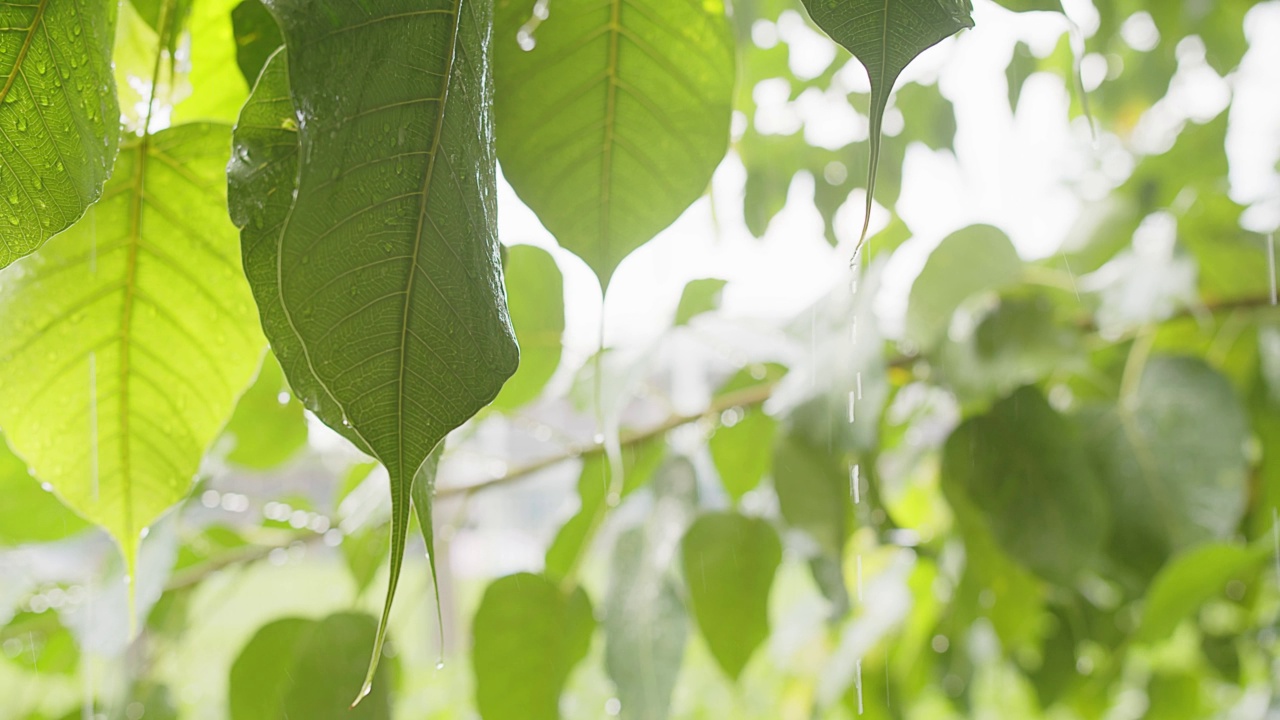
(858,383)
(857,681)
(853,396)
(440,664)
(855,483)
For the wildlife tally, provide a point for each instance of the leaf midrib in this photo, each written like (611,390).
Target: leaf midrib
(610,123)
(22,52)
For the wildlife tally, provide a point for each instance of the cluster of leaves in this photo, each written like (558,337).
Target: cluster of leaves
(1058,490)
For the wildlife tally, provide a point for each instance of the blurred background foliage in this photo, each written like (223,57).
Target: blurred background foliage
(1045,487)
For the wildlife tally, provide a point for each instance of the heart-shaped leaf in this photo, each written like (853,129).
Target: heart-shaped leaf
(59,121)
(363,179)
(885,36)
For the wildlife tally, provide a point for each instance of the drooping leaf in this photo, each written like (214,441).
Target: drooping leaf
(535,292)
(611,116)
(742,452)
(729,561)
(528,636)
(377,274)
(267,427)
(212,89)
(1024,469)
(1191,579)
(128,338)
(295,668)
(969,261)
(885,36)
(638,463)
(257,37)
(29,513)
(59,121)
(699,296)
(1173,461)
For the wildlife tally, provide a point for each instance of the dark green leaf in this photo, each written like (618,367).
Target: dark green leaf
(265,430)
(611,116)
(528,636)
(127,339)
(969,261)
(296,668)
(1023,468)
(378,285)
(257,37)
(535,292)
(729,562)
(699,296)
(59,121)
(885,36)
(1172,459)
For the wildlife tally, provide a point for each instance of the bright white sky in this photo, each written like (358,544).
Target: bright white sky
(1020,172)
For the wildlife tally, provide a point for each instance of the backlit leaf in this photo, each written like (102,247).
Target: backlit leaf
(127,339)
(377,274)
(59,121)
(969,261)
(611,116)
(267,427)
(885,36)
(535,292)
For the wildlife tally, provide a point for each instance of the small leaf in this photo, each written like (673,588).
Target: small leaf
(729,562)
(813,496)
(535,294)
(296,668)
(368,227)
(699,296)
(611,116)
(1023,468)
(257,37)
(267,427)
(29,513)
(59,121)
(1193,578)
(742,452)
(969,261)
(127,339)
(528,636)
(885,36)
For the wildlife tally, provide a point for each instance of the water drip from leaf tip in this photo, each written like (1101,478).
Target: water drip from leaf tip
(364,692)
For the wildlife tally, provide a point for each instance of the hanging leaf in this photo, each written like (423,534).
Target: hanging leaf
(528,636)
(699,296)
(611,116)
(257,37)
(729,562)
(885,36)
(59,121)
(127,339)
(377,274)
(267,427)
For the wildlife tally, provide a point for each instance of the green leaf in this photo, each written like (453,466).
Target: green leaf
(364,550)
(1193,578)
(645,626)
(1032,5)
(127,339)
(885,36)
(257,37)
(612,122)
(527,637)
(59,121)
(535,292)
(729,561)
(29,514)
(813,496)
(638,463)
(699,296)
(379,284)
(265,430)
(1173,460)
(969,261)
(217,90)
(1022,466)
(47,647)
(297,668)
(743,451)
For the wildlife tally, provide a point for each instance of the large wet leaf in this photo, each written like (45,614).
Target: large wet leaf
(377,274)
(729,561)
(611,116)
(59,122)
(529,634)
(127,339)
(885,36)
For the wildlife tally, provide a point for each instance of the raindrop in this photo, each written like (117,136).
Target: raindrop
(46,487)
(853,396)
(440,664)
(857,681)
(855,483)
(858,381)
